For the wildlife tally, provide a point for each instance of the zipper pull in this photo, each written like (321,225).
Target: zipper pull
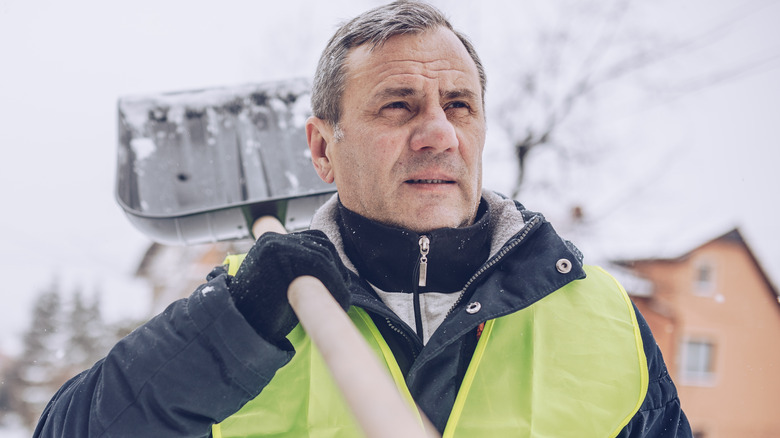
(424,243)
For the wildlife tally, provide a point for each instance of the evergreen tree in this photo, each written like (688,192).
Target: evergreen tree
(9,379)
(87,334)
(39,365)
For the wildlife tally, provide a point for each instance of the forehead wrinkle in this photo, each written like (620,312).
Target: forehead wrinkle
(404,84)
(411,65)
(421,67)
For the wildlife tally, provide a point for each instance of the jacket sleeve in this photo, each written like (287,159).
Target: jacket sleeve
(189,367)
(660,415)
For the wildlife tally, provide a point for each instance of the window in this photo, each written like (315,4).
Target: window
(698,362)
(704,283)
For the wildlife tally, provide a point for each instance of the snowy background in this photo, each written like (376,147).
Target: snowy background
(685,161)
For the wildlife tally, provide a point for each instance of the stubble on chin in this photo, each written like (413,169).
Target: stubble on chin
(421,218)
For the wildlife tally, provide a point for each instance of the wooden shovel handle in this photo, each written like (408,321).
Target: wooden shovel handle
(366,385)
(266,224)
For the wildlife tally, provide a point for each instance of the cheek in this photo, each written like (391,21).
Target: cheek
(370,158)
(471,151)
(377,156)
(356,169)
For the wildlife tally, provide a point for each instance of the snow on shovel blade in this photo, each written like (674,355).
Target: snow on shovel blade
(201,166)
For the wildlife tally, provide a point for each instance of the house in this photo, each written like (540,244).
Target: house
(174,272)
(716,317)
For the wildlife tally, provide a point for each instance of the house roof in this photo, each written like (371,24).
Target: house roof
(733,235)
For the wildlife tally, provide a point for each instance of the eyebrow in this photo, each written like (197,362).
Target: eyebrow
(461,93)
(389,93)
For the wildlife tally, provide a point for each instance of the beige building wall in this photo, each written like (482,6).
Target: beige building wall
(717,295)
(175,272)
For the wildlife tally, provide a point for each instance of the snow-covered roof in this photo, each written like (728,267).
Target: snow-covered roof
(679,252)
(634,285)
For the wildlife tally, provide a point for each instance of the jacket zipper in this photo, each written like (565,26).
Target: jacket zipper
(424,244)
(409,341)
(503,252)
(422,280)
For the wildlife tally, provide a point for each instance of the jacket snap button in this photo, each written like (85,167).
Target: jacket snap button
(563,266)
(473,308)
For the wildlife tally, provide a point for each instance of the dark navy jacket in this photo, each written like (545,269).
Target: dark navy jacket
(200,361)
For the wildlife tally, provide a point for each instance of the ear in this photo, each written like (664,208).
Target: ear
(319,134)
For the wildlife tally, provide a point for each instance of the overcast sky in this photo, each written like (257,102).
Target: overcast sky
(707,158)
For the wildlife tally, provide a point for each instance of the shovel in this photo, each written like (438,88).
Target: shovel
(201,166)
(231,163)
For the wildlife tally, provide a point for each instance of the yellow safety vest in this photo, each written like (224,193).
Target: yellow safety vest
(570,365)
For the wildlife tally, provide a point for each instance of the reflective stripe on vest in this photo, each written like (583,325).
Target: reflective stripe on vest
(570,365)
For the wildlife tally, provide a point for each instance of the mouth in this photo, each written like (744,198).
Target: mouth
(429,181)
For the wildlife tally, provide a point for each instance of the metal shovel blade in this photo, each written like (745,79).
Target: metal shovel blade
(200,166)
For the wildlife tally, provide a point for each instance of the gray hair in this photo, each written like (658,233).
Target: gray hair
(374,27)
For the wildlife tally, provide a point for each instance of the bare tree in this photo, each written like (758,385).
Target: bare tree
(558,63)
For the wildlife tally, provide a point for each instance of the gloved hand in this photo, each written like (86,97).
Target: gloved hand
(259,288)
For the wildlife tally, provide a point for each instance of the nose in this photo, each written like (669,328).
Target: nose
(435,131)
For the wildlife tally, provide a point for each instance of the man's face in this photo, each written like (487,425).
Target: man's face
(412,131)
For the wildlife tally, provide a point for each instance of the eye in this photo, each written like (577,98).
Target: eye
(458,109)
(457,104)
(396,105)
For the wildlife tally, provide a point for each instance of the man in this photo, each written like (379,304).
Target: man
(483,315)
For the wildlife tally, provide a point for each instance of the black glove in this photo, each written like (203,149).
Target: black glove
(259,288)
